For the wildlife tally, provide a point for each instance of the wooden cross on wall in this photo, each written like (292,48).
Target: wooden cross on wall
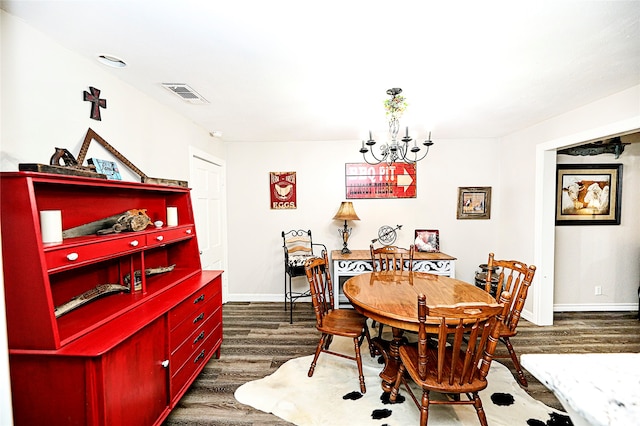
(97,103)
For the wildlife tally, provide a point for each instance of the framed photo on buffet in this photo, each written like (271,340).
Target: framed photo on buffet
(427,240)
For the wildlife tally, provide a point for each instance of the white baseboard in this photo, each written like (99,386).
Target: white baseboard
(593,307)
(584,307)
(261,298)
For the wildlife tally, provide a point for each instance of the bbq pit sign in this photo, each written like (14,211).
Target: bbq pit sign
(395,180)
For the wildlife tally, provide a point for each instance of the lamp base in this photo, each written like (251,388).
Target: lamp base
(346,232)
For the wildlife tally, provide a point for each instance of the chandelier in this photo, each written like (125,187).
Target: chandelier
(395,151)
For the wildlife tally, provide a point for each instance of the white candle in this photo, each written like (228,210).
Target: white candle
(51,226)
(172,216)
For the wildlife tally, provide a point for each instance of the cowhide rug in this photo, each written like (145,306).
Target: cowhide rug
(332,397)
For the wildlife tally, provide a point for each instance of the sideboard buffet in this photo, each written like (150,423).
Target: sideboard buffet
(126,357)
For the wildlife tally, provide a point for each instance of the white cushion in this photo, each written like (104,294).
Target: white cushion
(299,259)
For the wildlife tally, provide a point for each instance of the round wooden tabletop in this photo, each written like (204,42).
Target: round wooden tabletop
(391,297)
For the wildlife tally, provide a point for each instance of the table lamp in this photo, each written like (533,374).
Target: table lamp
(345,212)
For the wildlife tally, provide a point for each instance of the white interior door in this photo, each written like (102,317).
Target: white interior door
(208,196)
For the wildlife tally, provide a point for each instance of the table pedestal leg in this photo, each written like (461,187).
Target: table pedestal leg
(392,361)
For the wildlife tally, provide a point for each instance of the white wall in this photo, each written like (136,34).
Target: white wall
(568,275)
(42,108)
(255,243)
(607,256)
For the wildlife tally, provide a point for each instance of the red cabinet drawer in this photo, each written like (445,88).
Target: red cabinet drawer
(194,303)
(188,346)
(193,321)
(167,235)
(196,362)
(72,256)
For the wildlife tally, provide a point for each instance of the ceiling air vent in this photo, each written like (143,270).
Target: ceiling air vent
(186,93)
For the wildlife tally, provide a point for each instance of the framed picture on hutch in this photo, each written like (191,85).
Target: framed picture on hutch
(588,194)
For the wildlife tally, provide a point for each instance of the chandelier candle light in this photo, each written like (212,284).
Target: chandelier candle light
(345,212)
(395,151)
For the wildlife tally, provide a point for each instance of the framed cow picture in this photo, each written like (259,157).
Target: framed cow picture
(588,194)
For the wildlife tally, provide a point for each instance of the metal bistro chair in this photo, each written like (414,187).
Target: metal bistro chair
(298,247)
(515,277)
(459,363)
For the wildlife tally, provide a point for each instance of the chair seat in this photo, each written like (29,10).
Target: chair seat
(343,322)
(409,356)
(506,332)
(298,260)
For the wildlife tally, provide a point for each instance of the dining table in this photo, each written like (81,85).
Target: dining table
(391,298)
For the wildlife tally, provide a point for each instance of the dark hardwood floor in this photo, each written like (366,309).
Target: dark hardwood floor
(258,339)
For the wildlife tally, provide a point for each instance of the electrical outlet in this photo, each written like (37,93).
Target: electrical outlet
(598,290)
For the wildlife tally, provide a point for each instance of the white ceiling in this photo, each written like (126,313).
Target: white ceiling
(294,70)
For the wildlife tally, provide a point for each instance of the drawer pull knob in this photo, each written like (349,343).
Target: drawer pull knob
(188,231)
(165,363)
(198,299)
(72,256)
(200,337)
(159,238)
(199,318)
(199,357)
(134,243)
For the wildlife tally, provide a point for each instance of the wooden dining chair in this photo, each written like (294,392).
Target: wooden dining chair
(334,322)
(391,258)
(515,277)
(459,363)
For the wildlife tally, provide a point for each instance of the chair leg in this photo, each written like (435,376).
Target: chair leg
(516,362)
(477,403)
(290,302)
(367,335)
(396,386)
(363,388)
(327,342)
(424,408)
(285,291)
(317,354)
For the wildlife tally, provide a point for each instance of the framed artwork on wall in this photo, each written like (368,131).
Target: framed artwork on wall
(282,189)
(588,194)
(427,240)
(474,202)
